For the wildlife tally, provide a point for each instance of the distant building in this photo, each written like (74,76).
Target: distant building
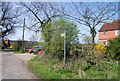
(108,32)
(17,43)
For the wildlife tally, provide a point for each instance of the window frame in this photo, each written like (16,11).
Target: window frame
(116,32)
(104,33)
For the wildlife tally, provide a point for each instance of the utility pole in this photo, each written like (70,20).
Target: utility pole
(23,35)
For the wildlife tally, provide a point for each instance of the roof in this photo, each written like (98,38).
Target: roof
(111,26)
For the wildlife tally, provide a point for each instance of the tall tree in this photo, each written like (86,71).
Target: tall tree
(8,18)
(52,32)
(41,12)
(92,14)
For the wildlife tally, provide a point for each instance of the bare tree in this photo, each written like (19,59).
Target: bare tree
(41,14)
(92,14)
(8,18)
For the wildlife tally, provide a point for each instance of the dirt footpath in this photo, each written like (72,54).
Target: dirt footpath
(14,66)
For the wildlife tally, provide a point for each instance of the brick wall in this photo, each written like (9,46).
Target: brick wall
(109,35)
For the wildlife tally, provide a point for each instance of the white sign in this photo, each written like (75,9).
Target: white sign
(63,35)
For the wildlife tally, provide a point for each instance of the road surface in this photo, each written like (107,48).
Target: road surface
(14,66)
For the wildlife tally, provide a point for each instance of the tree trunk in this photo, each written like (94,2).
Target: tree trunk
(93,34)
(93,41)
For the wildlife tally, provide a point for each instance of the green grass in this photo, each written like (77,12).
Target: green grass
(44,69)
(17,51)
(41,70)
(103,70)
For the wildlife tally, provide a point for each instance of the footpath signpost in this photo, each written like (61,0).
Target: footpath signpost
(64,35)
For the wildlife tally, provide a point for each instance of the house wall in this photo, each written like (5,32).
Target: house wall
(102,42)
(109,35)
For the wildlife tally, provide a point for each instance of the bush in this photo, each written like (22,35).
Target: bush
(114,48)
(46,68)
(99,50)
(54,43)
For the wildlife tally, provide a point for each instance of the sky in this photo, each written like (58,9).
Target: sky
(60,0)
(28,34)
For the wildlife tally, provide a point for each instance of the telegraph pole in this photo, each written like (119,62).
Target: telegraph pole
(23,35)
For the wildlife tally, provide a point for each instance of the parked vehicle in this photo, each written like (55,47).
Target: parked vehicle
(41,52)
(35,49)
(38,49)
(31,50)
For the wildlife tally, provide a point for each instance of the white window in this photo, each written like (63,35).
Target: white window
(116,32)
(104,32)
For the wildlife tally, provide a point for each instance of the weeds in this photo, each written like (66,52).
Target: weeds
(46,68)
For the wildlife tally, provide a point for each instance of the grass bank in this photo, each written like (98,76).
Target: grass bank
(17,51)
(45,68)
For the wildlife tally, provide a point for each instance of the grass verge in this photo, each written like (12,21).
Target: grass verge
(17,51)
(44,68)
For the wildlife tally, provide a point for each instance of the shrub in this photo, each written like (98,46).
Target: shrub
(11,47)
(99,50)
(114,48)
(54,43)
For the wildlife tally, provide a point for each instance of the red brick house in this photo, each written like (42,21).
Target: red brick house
(108,32)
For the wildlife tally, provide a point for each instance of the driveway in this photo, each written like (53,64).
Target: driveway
(14,66)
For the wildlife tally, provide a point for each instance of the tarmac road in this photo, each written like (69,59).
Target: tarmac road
(14,66)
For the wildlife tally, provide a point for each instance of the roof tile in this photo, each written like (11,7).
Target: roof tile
(110,26)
